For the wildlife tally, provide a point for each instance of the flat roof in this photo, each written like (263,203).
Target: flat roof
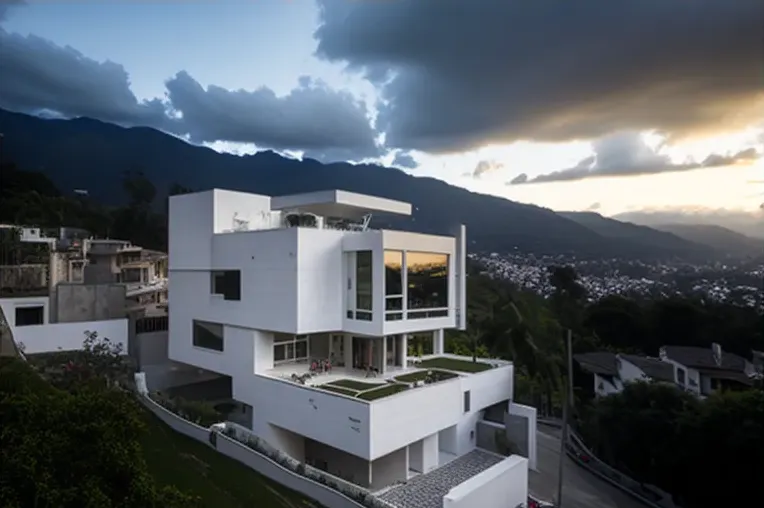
(339,203)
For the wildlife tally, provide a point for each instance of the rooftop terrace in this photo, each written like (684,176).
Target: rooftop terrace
(359,384)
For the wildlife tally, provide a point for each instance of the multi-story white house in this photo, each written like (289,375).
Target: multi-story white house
(317,319)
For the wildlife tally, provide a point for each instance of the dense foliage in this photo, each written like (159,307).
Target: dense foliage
(529,330)
(706,453)
(30,198)
(71,437)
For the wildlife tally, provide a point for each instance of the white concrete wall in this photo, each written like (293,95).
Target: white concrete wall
(268,261)
(389,469)
(320,280)
(68,336)
(504,485)
(338,421)
(430,455)
(529,413)
(253,208)
(9,306)
(405,417)
(630,373)
(486,389)
(338,463)
(263,351)
(236,360)
(191,218)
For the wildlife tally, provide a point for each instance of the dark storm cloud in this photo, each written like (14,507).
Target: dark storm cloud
(404,160)
(7,5)
(39,76)
(324,123)
(456,74)
(521,178)
(626,154)
(486,166)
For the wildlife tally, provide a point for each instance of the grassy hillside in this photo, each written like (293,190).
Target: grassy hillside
(195,468)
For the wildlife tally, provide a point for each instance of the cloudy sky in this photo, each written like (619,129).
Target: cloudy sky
(602,105)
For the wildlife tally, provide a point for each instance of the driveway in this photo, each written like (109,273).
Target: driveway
(581,489)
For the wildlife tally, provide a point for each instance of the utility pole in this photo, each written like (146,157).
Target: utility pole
(567,401)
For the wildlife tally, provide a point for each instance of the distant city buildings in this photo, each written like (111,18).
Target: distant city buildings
(740,283)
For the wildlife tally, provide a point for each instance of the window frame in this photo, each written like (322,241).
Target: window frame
(291,345)
(230,282)
(29,308)
(198,344)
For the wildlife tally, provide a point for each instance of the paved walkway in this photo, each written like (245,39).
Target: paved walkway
(427,490)
(581,489)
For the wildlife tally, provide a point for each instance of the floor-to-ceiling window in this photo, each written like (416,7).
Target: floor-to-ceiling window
(363,285)
(289,348)
(393,285)
(427,291)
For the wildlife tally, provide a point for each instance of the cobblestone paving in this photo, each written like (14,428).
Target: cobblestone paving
(427,490)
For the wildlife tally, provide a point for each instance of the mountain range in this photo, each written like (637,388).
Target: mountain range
(89,154)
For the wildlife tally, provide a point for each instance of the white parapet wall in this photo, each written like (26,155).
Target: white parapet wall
(529,413)
(68,336)
(504,485)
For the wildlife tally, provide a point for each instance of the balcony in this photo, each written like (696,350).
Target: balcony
(373,416)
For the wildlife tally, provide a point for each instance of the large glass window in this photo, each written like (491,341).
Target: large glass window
(393,285)
(290,348)
(208,335)
(363,284)
(427,275)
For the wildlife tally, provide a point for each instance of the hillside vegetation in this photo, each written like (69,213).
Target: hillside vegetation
(93,155)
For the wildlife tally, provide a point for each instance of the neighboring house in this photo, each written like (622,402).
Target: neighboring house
(705,370)
(758,362)
(611,371)
(698,370)
(269,290)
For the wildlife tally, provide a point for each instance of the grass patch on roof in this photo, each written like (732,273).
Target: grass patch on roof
(421,375)
(385,391)
(338,389)
(352,384)
(454,364)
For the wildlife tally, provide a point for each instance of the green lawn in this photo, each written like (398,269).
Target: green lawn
(338,389)
(420,375)
(352,384)
(385,391)
(454,364)
(197,469)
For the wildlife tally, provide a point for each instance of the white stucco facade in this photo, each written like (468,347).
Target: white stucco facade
(263,289)
(29,321)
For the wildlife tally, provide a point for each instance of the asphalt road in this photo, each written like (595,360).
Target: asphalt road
(580,489)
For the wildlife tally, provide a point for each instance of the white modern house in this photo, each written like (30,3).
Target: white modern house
(317,319)
(700,371)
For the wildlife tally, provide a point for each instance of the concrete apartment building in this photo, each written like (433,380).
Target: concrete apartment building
(77,284)
(312,314)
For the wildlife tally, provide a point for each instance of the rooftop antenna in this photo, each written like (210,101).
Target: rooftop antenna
(366,222)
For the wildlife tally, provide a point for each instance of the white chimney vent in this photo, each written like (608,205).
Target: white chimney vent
(717,349)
